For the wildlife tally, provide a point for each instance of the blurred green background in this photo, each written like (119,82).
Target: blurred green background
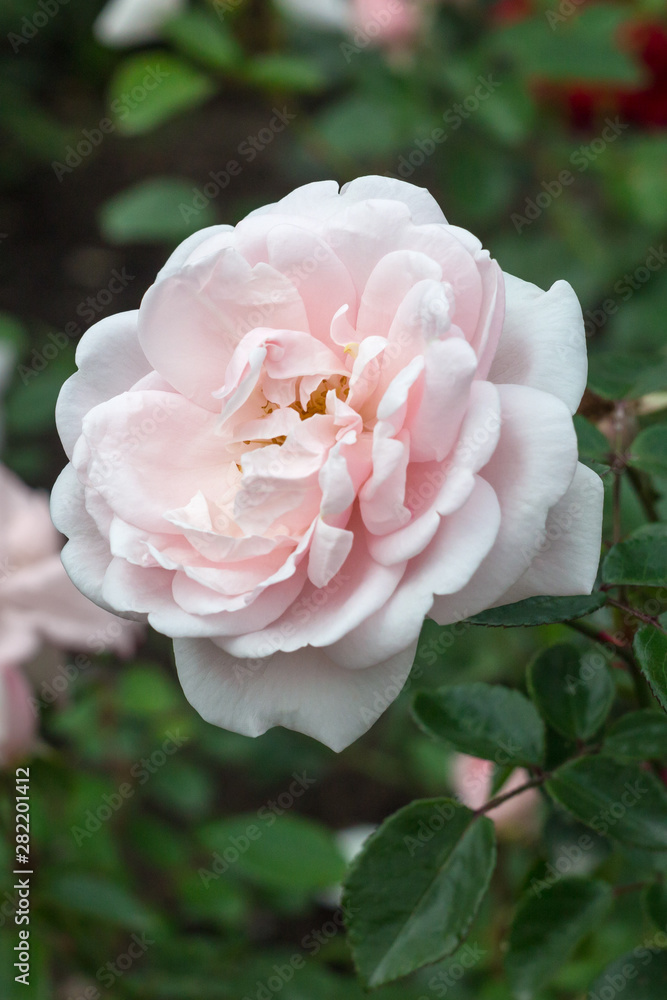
(541,127)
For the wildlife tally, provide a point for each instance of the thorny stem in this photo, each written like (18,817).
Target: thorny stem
(621,890)
(604,639)
(635,613)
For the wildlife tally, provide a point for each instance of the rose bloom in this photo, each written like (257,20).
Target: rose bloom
(319,427)
(515,819)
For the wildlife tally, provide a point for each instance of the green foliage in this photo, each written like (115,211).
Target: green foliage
(640,560)
(144,93)
(152,211)
(203,37)
(620,376)
(547,928)
(279,852)
(541,611)
(483,720)
(655,903)
(649,450)
(582,47)
(638,736)
(574,697)
(413,893)
(641,974)
(622,801)
(651,651)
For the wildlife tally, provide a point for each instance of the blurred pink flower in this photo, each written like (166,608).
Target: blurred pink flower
(38,602)
(133,22)
(396,21)
(382,22)
(39,607)
(18,722)
(518,817)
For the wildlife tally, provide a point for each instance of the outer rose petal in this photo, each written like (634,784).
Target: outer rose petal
(304,690)
(543,342)
(567,561)
(86,556)
(110,361)
(530,471)
(321,199)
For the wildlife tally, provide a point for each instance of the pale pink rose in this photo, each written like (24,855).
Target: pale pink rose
(134,22)
(18,722)
(38,602)
(390,21)
(321,426)
(472,779)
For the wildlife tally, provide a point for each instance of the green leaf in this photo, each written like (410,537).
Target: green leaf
(650,648)
(649,450)
(13,335)
(203,37)
(582,48)
(149,88)
(640,560)
(635,180)
(639,975)
(153,211)
(540,611)
(574,696)
(638,736)
(593,445)
(655,903)
(619,801)
(93,896)
(281,852)
(285,72)
(617,376)
(414,890)
(547,928)
(483,720)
